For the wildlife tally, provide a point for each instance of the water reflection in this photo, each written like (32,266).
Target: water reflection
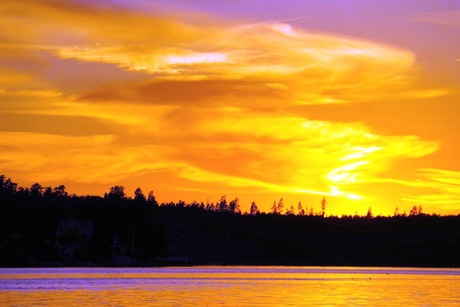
(230,286)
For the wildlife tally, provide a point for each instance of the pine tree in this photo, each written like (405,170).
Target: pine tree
(254,210)
(323,206)
(300,210)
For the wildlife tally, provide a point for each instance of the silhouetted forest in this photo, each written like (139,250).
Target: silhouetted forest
(44,226)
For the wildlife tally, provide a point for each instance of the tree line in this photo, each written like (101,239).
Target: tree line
(222,205)
(45,226)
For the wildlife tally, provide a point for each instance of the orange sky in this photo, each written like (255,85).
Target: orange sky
(355,101)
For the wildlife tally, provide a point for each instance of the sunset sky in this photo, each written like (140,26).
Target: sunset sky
(356,101)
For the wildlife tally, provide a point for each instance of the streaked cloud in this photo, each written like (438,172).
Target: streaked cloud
(83,159)
(311,68)
(442,176)
(443,18)
(442,188)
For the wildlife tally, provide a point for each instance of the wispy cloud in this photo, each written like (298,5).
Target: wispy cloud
(83,159)
(311,68)
(432,187)
(443,18)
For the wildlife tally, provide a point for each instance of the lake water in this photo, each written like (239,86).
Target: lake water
(230,286)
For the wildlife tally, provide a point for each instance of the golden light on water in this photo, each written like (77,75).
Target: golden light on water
(286,286)
(195,103)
